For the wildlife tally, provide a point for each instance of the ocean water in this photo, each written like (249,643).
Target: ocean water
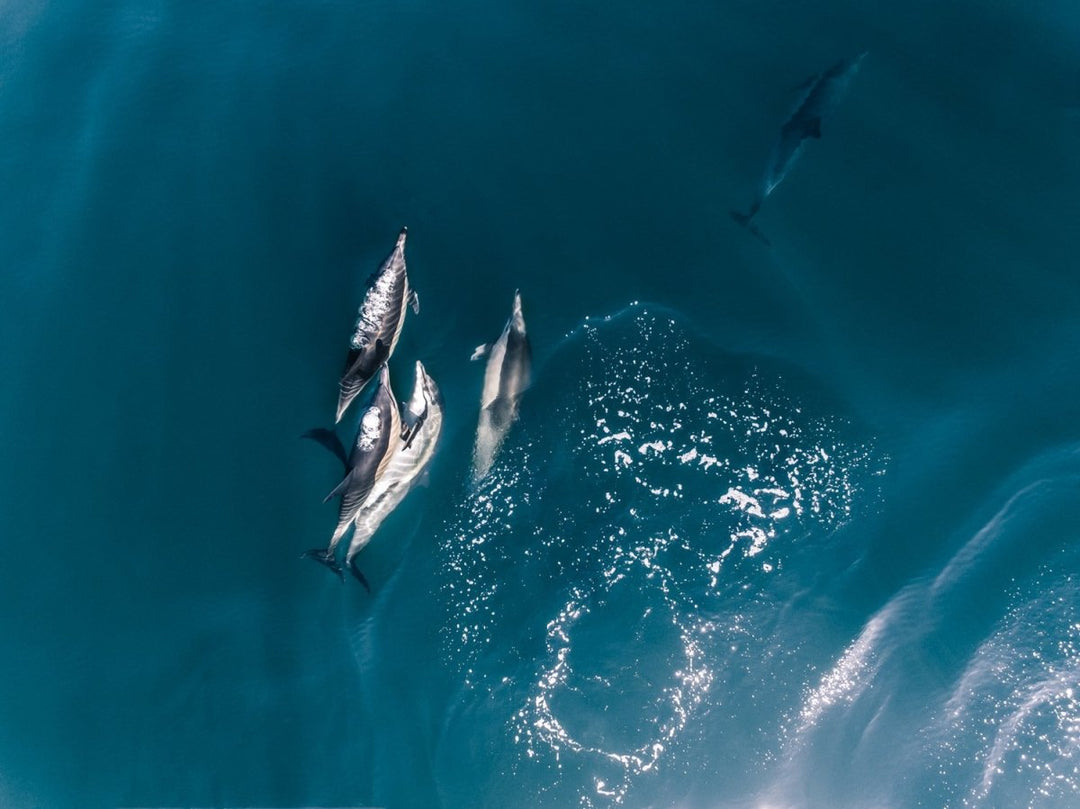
(776,527)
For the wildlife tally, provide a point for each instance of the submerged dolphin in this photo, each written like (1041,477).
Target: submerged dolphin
(377,437)
(422,424)
(378,325)
(823,94)
(505,378)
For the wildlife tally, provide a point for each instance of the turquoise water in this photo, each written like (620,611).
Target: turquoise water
(787,527)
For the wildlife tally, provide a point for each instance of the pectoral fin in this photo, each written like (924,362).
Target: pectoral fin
(329,439)
(409,433)
(480,351)
(340,489)
(382,353)
(813,128)
(414,302)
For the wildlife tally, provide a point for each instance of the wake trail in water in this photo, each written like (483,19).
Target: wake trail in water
(973,671)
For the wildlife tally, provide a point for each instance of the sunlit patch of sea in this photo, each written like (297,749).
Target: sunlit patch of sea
(613,585)
(963,689)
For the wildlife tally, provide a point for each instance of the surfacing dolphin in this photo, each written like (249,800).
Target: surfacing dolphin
(505,378)
(422,421)
(822,95)
(378,325)
(377,438)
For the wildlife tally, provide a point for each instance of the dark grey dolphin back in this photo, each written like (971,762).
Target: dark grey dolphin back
(517,365)
(378,325)
(824,95)
(361,365)
(514,377)
(372,443)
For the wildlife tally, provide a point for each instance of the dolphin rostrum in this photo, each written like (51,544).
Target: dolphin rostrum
(378,325)
(505,378)
(822,94)
(377,437)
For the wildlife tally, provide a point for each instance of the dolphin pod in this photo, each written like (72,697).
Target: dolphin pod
(394,445)
(372,466)
(822,94)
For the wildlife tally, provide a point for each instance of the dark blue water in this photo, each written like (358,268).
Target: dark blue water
(787,527)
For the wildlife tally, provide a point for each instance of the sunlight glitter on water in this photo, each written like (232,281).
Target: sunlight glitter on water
(680,479)
(1020,696)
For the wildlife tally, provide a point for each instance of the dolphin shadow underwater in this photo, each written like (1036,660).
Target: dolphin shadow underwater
(822,94)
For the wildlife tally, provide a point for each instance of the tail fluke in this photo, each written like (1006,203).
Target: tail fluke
(359,576)
(746,220)
(324,557)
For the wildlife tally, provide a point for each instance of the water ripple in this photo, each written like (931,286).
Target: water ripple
(614,568)
(1020,698)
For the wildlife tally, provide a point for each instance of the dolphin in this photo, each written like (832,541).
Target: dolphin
(506,377)
(823,93)
(378,325)
(422,421)
(377,437)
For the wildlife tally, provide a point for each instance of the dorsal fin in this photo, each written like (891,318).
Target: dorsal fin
(409,433)
(341,488)
(381,352)
(806,85)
